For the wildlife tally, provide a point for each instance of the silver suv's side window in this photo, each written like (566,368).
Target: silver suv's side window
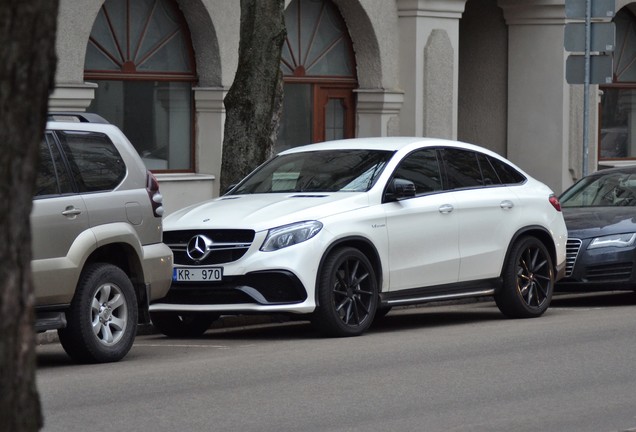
(52,178)
(95,163)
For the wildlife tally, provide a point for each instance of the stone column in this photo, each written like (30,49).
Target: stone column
(538,95)
(209,124)
(72,97)
(377,112)
(429,56)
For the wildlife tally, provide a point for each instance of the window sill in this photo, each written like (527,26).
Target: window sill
(184,177)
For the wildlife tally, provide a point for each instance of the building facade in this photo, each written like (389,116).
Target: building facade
(489,72)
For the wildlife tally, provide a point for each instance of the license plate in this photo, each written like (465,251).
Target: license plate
(197,274)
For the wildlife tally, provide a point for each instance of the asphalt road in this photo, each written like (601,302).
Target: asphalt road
(444,368)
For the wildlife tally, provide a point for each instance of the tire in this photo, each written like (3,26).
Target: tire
(528,280)
(182,325)
(102,319)
(347,294)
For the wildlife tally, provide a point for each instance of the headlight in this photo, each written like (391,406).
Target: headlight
(281,237)
(616,240)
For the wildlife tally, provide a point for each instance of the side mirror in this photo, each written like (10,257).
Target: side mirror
(399,189)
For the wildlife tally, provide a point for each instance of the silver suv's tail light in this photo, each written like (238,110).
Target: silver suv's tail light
(156,199)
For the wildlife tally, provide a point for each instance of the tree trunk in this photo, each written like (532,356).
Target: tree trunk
(27,50)
(255,98)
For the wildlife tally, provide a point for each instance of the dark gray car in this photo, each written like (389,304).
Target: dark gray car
(600,214)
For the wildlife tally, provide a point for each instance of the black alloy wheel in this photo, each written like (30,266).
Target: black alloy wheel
(347,294)
(528,280)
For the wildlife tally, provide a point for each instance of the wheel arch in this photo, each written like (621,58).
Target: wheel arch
(535,231)
(365,246)
(124,256)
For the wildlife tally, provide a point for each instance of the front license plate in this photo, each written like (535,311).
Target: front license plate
(197,274)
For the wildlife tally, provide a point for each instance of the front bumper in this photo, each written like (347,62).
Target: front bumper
(605,269)
(264,288)
(279,281)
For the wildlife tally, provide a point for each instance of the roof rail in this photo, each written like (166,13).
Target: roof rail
(77,117)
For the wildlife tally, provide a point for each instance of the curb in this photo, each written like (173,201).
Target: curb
(224,322)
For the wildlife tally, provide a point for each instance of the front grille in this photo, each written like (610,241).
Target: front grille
(572,251)
(609,272)
(226,245)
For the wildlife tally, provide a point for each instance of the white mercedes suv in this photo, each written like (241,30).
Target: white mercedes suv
(344,230)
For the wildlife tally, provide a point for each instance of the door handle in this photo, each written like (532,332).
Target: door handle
(71,212)
(506,204)
(446,208)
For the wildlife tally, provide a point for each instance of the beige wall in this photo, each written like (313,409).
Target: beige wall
(489,72)
(483,76)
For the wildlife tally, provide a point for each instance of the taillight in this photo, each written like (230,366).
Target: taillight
(555,202)
(156,199)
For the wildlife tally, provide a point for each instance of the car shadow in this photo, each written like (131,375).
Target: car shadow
(53,356)
(594,299)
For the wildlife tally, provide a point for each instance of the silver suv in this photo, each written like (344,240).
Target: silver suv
(98,258)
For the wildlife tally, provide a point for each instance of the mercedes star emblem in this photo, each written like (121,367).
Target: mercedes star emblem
(198,247)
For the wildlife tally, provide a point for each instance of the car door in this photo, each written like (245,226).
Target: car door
(58,217)
(485,209)
(97,169)
(423,230)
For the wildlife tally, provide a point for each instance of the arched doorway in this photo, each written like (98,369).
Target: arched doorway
(140,55)
(320,75)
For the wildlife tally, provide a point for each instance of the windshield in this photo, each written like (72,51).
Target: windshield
(317,171)
(610,190)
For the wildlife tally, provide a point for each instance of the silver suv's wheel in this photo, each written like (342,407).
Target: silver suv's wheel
(528,280)
(347,294)
(102,319)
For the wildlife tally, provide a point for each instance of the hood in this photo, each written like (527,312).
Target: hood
(263,211)
(585,222)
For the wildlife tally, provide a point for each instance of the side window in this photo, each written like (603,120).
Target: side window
(507,174)
(95,163)
(488,173)
(462,168)
(52,176)
(422,168)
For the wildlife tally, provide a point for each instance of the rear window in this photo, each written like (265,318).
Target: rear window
(95,163)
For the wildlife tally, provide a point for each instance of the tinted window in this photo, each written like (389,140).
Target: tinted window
(422,168)
(317,171)
(52,176)
(95,163)
(507,174)
(462,168)
(488,173)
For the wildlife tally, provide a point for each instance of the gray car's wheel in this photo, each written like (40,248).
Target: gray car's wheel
(528,280)
(102,319)
(347,294)
(182,325)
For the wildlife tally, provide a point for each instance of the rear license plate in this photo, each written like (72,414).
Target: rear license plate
(197,274)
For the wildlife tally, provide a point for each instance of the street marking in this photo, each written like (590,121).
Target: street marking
(192,346)
(183,346)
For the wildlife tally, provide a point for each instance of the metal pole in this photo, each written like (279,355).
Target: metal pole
(586,86)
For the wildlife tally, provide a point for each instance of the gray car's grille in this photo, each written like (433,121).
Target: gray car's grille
(572,251)
(226,245)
